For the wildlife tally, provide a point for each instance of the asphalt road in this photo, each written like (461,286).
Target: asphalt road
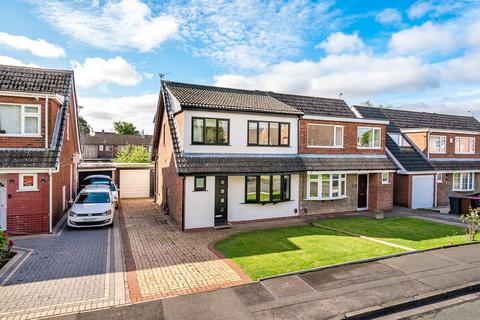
(464,311)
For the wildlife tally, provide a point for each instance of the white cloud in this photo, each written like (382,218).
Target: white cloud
(37,47)
(98,71)
(340,42)
(15,62)
(427,38)
(101,112)
(116,25)
(462,69)
(353,75)
(434,8)
(389,16)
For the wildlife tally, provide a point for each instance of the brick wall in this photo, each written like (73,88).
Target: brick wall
(349,141)
(169,185)
(380,196)
(402,190)
(420,140)
(444,189)
(27,211)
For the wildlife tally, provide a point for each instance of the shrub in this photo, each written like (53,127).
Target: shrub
(472,218)
(5,246)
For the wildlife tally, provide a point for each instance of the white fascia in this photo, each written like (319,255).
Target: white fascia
(358,120)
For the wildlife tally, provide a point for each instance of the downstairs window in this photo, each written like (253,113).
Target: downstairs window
(267,188)
(463,181)
(326,186)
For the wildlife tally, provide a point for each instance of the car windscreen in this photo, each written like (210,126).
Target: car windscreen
(99,181)
(93,197)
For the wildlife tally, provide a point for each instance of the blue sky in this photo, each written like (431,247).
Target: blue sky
(420,55)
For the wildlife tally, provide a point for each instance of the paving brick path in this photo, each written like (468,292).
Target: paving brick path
(163,261)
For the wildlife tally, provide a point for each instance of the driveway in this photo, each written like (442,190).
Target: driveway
(69,271)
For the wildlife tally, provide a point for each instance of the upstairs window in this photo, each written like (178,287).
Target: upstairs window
(326,186)
(264,133)
(465,145)
(437,144)
(210,131)
(320,135)
(463,181)
(368,138)
(19,119)
(399,139)
(273,188)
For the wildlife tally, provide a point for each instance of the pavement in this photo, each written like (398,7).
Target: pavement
(328,293)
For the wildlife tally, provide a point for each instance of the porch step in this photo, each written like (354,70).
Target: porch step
(222,225)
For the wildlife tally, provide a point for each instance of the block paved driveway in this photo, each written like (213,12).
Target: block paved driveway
(66,272)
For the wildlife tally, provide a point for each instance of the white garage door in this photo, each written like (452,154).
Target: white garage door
(134,183)
(422,192)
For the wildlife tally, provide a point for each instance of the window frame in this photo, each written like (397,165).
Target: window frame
(205,129)
(22,188)
(280,123)
(373,138)
(444,138)
(342,177)
(195,187)
(469,145)
(387,181)
(23,115)
(439,178)
(470,181)
(335,138)
(257,188)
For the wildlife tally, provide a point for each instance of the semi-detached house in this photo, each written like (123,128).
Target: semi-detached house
(438,155)
(227,155)
(39,147)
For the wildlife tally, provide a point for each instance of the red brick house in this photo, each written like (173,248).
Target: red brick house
(39,147)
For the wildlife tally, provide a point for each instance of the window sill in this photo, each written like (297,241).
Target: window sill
(325,147)
(268,146)
(211,144)
(369,148)
(463,190)
(463,153)
(20,135)
(432,152)
(326,199)
(269,202)
(27,190)
(200,190)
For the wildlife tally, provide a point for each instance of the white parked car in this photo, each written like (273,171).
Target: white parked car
(99,179)
(93,207)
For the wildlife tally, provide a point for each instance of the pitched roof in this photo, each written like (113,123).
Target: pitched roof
(35,80)
(111,138)
(405,119)
(454,165)
(316,105)
(24,158)
(217,98)
(408,156)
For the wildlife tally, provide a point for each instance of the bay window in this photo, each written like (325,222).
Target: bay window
(368,138)
(19,119)
(437,144)
(465,145)
(210,131)
(264,133)
(320,135)
(463,181)
(326,186)
(267,188)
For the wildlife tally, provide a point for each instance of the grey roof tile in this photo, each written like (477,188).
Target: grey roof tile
(24,158)
(35,80)
(111,138)
(454,165)
(408,157)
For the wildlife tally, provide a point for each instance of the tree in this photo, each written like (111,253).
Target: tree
(83,125)
(123,127)
(133,154)
(472,218)
(369,103)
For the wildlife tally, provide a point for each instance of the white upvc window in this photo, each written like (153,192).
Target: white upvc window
(464,145)
(437,144)
(439,177)
(399,139)
(385,177)
(368,138)
(326,186)
(19,120)
(324,136)
(28,182)
(463,181)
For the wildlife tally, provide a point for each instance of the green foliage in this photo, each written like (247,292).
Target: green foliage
(123,127)
(133,154)
(5,242)
(369,103)
(83,125)
(472,218)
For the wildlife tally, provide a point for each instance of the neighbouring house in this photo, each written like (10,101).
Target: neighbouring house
(228,155)
(103,146)
(438,155)
(39,147)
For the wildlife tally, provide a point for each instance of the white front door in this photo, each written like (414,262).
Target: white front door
(422,191)
(3,205)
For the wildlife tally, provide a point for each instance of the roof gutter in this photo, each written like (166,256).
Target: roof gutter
(56,97)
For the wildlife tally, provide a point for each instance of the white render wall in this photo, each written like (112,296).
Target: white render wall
(238,133)
(200,205)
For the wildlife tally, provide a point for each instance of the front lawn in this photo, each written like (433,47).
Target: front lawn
(268,252)
(409,232)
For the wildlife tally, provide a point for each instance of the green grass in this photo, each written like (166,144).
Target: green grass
(409,232)
(268,252)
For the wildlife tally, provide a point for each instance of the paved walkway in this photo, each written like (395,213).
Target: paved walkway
(323,294)
(70,271)
(163,261)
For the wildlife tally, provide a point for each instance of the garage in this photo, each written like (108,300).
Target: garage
(134,183)
(422,191)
